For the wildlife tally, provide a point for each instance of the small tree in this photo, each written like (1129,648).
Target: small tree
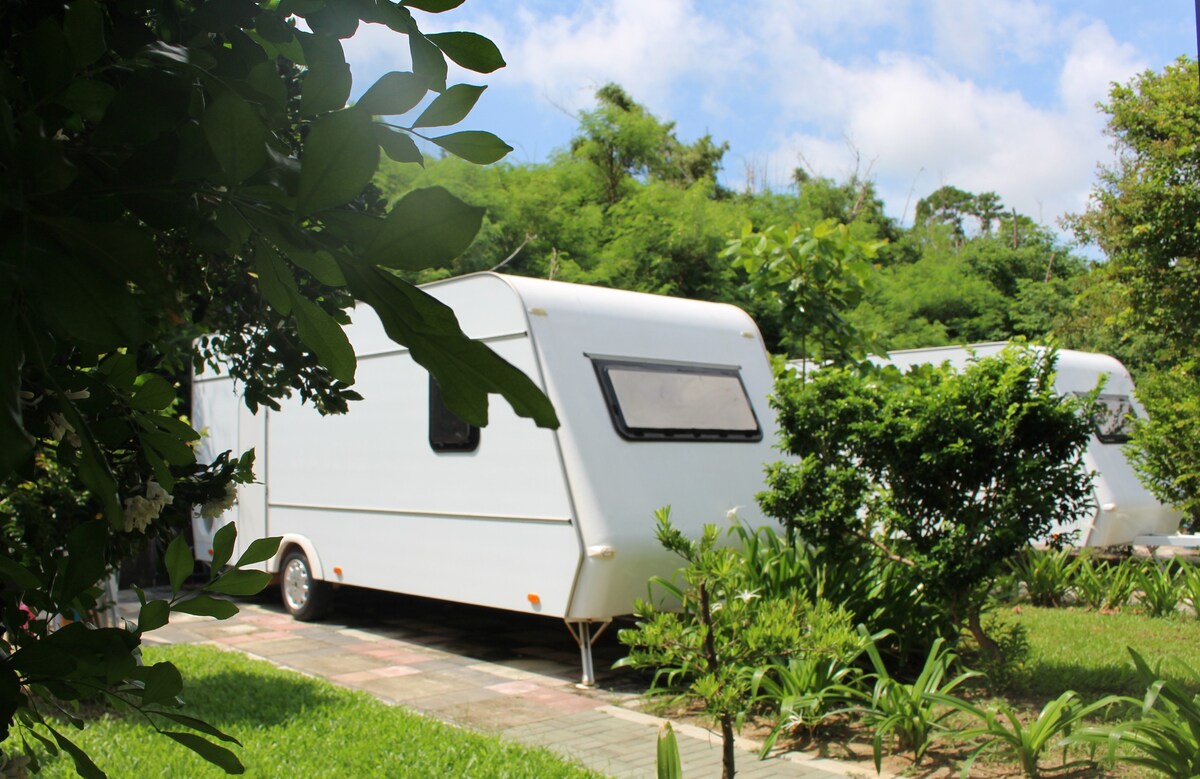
(724,631)
(814,276)
(949,473)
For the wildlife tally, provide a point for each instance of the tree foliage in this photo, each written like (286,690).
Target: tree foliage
(1145,215)
(181,169)
(813,276)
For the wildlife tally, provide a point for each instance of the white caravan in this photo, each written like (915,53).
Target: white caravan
(662,401)
(1126,512)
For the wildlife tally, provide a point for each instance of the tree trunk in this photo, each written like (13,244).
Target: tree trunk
(727,764)
(710,655)
(990,647)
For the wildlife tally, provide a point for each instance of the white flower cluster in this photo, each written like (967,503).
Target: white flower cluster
(140,510)
(218,506)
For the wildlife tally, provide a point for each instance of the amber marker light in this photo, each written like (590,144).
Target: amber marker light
(337,571)
(534,598)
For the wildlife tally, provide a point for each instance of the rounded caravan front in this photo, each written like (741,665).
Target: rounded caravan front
(662,402)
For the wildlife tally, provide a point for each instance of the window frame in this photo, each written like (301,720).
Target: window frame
(612,401)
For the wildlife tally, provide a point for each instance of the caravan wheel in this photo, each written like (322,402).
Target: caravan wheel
(306,599)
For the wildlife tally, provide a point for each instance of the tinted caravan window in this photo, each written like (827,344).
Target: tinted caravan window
(652,401)
(1114,418)
(448,433)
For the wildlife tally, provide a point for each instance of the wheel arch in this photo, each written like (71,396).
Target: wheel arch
(290,541)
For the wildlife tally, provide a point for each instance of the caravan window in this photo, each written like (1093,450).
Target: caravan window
(448,433)
(659,402)
(1114,418)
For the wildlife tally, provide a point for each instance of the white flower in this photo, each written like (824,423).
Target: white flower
(141,511)
(77,394)
(732,514)
(59,426)
(157,495)
(747,595)
(218,506)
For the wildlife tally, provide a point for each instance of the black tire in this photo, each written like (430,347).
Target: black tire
(306,599)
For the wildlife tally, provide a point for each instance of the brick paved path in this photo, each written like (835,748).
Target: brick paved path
(491,671)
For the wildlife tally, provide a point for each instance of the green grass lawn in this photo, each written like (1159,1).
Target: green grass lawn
(1085,651)
(295,726)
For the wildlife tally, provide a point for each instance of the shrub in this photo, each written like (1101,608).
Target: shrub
(949,473)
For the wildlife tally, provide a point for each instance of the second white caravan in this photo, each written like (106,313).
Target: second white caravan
(662,401)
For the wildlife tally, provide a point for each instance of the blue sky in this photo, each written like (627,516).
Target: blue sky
(987,95)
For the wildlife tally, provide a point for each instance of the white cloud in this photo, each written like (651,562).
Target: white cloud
(976,34)
(913,120)
(648,48)
(1095,60)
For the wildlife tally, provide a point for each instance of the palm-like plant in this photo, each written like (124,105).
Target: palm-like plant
(1165,736)
(1002,730)
(909,712)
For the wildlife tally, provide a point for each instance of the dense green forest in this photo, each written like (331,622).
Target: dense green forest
(629,204)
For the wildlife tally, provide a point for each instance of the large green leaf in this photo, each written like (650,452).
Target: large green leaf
(88,98)
(179,563)
(236,135)
(223,542)
(153,615)
(426,227)
(393,93)
(432,6)
(162,683)
(325,87)
(450,107)
(18,574)
(238,582)
(466,370)
(321,333)
(152,393)
(214,753)
(197,724)
(476,146)
(84,766)
(470,50)
(83,26)
(275,279)
(397,145)
(427,61)
(340,157)
(206,606)
(260,549)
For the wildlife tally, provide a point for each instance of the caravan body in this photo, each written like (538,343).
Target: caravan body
(662,401)
(1126,512)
